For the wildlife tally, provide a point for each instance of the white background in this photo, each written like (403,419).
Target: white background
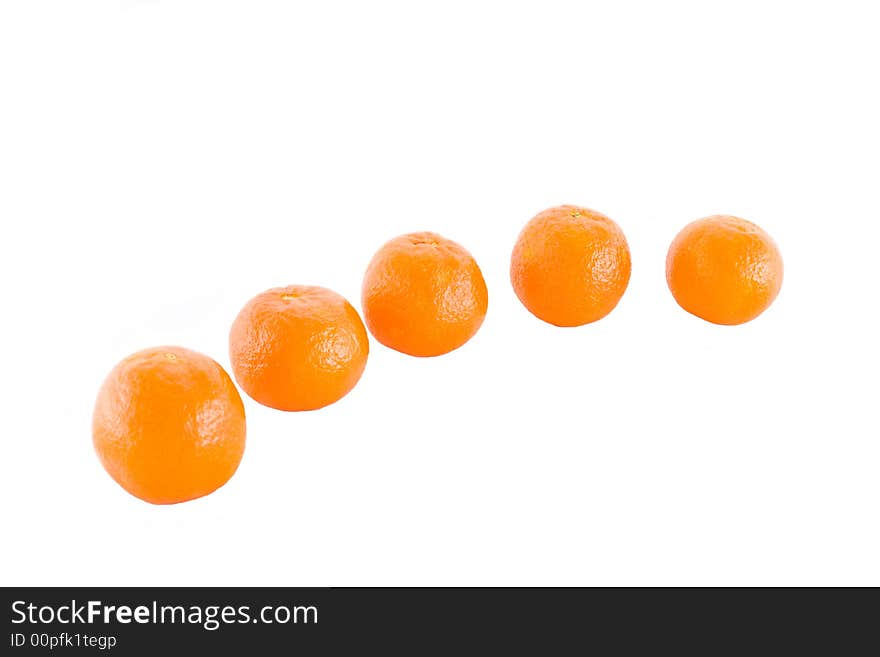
(162,162)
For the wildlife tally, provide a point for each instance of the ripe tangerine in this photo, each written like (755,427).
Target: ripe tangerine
(570,265)
(724,269)
(298,348)
(423,295)
(169,425)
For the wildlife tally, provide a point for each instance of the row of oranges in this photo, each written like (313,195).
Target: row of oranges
(169,424)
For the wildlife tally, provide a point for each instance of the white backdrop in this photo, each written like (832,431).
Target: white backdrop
(161,162)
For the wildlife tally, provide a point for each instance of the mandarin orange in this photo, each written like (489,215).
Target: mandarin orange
(169,425)
(298,348)
(423,295)
(570,265)
(724,269)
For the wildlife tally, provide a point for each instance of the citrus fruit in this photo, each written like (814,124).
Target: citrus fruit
(169,425)
(724,269)
(298,348)
(423,295)
(570,265)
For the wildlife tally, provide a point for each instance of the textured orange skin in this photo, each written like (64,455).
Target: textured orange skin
(169,425)
(298,348)
(724,269)
(570,265)
(423,295)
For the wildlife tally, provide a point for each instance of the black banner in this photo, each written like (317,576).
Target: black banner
(415,621)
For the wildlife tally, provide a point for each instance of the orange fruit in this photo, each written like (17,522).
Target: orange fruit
(169,425)
(423,295)
(724,269)
(298,348)
(570,265)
